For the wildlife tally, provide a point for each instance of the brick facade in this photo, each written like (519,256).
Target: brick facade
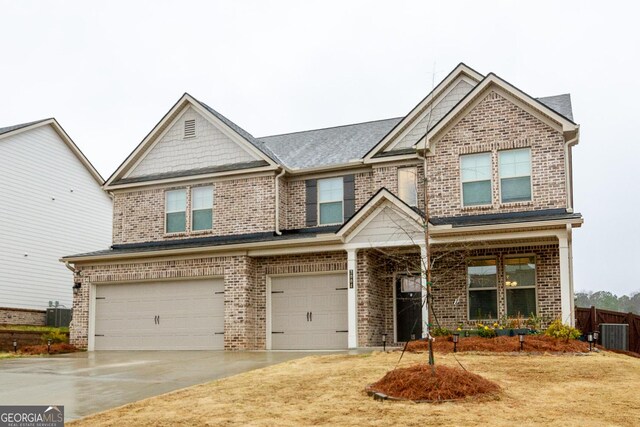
(21,316)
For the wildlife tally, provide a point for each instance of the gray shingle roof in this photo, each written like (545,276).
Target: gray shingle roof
(20,126)
(328,146)
(560,104)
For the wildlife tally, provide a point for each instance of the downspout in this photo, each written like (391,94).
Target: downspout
(568,167)
(66,264)
(277,215)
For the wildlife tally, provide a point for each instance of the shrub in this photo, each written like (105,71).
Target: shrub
(557,329)
(439,332)
(56,336)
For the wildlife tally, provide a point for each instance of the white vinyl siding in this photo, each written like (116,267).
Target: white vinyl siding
(51,207)
(482,285)
(202,208)
(475,174)
(175,211)
(408,185)
(515,175)
(330,201)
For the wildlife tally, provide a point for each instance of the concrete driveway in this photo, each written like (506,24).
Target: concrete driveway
(86,383)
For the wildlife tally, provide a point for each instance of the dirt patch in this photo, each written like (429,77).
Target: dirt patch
(42,349)
(532,344)
(421,383)
(589,390)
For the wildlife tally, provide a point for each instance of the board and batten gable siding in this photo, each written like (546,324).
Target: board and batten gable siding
(42,219)
(209,147)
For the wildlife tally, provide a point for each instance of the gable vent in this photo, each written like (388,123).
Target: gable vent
(189,128)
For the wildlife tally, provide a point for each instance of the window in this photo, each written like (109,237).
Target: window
(483,292)
(202,208)
(330,198)
(189,128)
(175,211)
(520,284)
(408,185)
(515,175)
(475,172)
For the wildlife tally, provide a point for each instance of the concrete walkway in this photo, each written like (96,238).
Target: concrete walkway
(86,383)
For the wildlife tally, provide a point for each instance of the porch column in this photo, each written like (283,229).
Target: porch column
(423,276)
(352,297)
(566,296)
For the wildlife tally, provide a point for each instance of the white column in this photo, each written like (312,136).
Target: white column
(423,275)
(566,295)
(352,297)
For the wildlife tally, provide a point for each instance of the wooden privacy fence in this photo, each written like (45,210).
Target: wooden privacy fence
(589,319)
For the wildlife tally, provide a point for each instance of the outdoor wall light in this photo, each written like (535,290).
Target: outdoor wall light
(521,339)
(384,342)
(456,337)
(590,340)
(76,288)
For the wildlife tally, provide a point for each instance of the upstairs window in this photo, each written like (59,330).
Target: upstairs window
(515,175)
(175,211)
(408,185)
(330,201)
(482,283)
(202,208)
(189,128)
(475,171)
(520,285)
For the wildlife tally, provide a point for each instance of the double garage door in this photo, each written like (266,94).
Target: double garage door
(308,312)
(172,315)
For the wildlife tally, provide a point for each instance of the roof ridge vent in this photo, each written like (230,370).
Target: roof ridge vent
(190,128)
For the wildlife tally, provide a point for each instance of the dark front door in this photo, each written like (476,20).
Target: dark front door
(408,308)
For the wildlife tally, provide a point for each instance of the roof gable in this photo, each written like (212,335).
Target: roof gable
(538,108)
(10,131)
(427,112)
(219,145)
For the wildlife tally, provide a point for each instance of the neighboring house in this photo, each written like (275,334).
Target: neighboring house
(52,203)
(315,240)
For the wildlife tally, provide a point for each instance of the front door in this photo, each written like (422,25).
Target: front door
(408,308)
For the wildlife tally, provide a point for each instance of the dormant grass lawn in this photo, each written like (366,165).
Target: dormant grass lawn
(593,390)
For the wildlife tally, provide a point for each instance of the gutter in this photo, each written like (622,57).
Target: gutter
(568,167)
(277,210)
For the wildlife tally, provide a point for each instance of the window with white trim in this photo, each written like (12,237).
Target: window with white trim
(175,211)
(330,201)
(202,208)
(475,174)
(482,285)
(408,185)
(520,285)
(515,175)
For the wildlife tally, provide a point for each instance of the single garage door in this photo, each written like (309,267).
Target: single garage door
(172,315)
(309,312)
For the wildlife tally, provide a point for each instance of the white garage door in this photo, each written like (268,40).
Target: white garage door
(175,315)
(309,312)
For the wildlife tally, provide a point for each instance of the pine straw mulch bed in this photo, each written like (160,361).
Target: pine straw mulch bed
(59,348)
(504,344)
(419,384)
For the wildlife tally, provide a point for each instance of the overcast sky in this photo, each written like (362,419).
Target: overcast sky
(110,71)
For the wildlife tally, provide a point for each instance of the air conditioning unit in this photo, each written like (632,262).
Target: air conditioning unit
(58,317)
(614,336)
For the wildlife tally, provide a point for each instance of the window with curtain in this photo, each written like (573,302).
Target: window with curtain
(330,201)
(475,174)
(175,211)
(482,287)
(520,285)
(202,208)
(515,175)
(408,185)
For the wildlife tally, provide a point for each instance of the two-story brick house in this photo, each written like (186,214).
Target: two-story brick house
(316,239)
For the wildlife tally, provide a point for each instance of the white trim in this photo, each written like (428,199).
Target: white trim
(340,200)
(91,329)
(566,296)
(423,280)
(352,298)
(414,185)
(460,70)
(502,202)
(462,182)
(192,210)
